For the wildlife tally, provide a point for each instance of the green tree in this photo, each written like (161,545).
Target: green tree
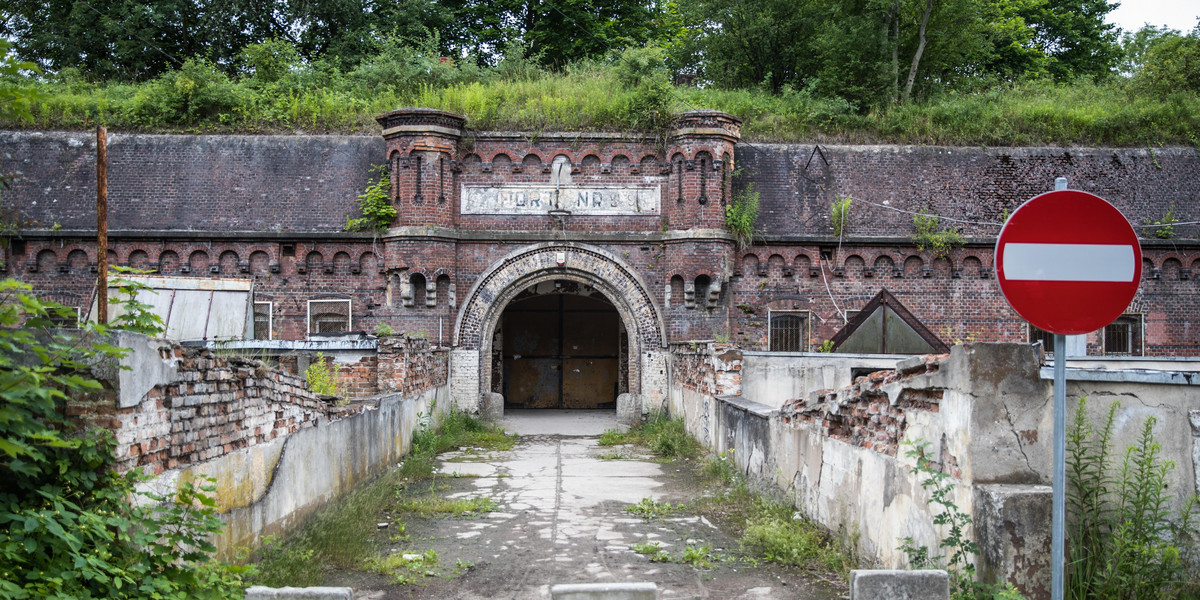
(748,43)
(1170,63)
(1074,36)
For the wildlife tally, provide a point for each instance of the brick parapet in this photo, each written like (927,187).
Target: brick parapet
(213,406)
(409,365)
(706,367)
(873,412)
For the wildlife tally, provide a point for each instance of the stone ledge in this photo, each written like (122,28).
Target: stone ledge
(899,585)
(604,591)
(259,592)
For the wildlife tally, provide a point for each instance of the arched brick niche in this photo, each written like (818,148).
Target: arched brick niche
(529,266)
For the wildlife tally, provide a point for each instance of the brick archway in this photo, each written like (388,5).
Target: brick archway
(529,266)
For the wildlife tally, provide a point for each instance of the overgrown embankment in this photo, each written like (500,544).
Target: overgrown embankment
(594,96)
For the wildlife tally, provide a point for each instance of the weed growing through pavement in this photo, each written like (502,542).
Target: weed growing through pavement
(405,567)
(454,507)
(339,536)
(959,548)
(652,550)
(649,509)
(662,435)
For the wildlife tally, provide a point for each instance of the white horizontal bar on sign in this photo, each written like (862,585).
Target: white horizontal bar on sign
(1068,262)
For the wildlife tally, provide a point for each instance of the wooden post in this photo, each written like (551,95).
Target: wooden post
(102,225)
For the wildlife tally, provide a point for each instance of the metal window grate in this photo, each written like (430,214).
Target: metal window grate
(1124,336)
(1045,337)
(789,331)
(328,316)
(262,321)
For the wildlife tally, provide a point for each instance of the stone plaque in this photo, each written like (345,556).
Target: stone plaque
(540,199)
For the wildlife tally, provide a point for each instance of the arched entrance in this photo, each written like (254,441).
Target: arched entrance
(524,274)
(560,344)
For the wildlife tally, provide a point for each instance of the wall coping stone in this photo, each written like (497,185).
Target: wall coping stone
(750,406)
(316,345)
(1126,376)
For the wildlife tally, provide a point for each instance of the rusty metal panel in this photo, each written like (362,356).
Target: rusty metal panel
(533,382)
(531,334)
(589,382)
(591,334)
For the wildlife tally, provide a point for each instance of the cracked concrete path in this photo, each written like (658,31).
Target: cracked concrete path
(560,518)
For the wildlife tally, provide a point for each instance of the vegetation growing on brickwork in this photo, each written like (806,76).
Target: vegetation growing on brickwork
(1165,227)
(375,203)
(741,215)
(929,235)
(1124,540)
(322,377)
(839,215)
(71,526)
(136,315)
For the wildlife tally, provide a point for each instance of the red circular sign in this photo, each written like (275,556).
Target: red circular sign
(1068,262)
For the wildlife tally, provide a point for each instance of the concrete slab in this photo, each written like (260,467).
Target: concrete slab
(560,422)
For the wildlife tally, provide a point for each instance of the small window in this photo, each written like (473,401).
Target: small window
(69,319)
(1045,337)
(328,316)
(263,325)
(789,331)
(1123,337)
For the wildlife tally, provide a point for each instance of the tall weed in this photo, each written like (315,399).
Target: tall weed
(1124,542)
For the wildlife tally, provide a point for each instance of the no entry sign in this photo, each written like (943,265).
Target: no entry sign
(1068,262)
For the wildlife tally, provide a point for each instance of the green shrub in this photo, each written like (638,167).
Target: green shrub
(375,203)
(322,377)
(70,525)
(196,93)
(839,215)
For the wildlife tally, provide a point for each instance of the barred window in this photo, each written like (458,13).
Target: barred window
(263,325)
(1045,337)
(788,331)
(1124,336)
(328,316)
(69,319)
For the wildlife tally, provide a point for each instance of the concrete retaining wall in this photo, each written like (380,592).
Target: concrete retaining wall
(985,412)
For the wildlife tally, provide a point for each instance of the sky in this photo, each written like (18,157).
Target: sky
(1176,14)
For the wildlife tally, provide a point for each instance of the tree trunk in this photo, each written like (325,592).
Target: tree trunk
(896,53)
(912,71)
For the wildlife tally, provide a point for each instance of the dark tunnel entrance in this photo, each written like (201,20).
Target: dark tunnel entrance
(560,344)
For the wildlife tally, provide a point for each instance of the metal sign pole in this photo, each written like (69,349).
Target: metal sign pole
(1059,513)
(1058,540)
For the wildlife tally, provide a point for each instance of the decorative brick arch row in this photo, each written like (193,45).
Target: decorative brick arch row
(606,273)
(508,277)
